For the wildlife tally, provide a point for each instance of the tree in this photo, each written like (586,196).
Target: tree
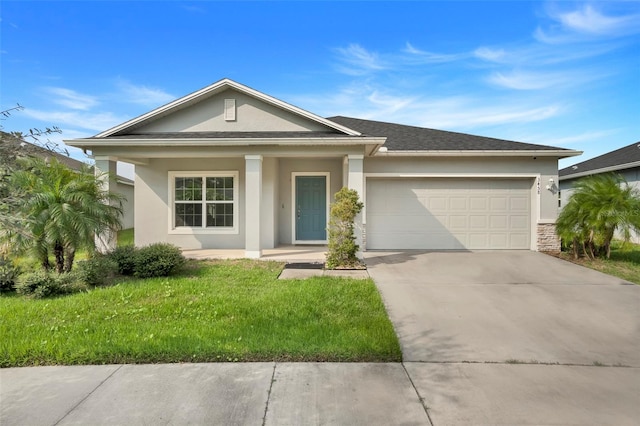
(599,205)
(13,146)
(342,241)
(61,210)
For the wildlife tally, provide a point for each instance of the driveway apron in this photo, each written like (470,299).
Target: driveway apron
(513,337)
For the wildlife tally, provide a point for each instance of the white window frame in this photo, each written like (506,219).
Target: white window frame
(203,229)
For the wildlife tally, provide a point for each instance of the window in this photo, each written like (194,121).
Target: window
(204,201)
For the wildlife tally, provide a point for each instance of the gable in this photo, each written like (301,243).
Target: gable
(251,115)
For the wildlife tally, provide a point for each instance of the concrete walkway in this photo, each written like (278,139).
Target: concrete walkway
(319,394)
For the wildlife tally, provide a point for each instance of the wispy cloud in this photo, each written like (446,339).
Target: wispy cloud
(431,57)
(97,121)
(586,21)
(142,95)
(356,60)
(538,80)
(71,99)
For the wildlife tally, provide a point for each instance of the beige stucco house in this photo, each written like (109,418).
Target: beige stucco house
(232,168)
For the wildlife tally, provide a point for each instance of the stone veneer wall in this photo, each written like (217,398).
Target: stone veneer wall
(547,239)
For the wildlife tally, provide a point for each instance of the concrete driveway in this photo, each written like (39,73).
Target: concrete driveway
(514,337)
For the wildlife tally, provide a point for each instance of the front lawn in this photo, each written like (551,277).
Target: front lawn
(212,311)
(624,262)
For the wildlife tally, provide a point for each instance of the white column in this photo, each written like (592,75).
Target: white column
(106,170)
(253,204)
(356,181)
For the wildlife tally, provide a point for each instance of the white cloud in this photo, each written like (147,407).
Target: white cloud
(83,120)
(359,60)
(538,80)
(585,23)
(430,57)
(489,54)
(142,95)
(589,20)
(70,98)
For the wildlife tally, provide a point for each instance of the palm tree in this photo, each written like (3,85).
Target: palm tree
(599,205)
(62,211)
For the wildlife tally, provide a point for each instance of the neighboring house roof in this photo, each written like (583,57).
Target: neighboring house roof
(411,138)
(39,151)
(620,159)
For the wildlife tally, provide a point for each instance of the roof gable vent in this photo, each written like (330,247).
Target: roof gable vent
(230,110)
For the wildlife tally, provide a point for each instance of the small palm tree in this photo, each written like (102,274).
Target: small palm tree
(62,211)
(599,205)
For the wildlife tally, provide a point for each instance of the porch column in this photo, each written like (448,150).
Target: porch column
(253,205)
(105,169)
(356,181)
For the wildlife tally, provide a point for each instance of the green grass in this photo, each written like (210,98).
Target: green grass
(624,262)
(125,237)
(212,311)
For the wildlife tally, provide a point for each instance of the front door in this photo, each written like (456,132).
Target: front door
(311,208)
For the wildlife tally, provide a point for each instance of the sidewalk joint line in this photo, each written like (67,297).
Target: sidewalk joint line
(88,395)
(266,406)
(420,398)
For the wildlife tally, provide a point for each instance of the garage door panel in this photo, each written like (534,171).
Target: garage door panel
(448,214)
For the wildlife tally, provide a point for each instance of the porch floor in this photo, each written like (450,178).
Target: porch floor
(288,253)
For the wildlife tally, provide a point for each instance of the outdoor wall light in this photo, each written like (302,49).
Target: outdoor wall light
(551,185)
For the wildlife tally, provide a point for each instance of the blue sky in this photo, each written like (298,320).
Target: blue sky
(555,73)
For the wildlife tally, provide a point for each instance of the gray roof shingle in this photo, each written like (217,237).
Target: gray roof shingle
(615,159)
(411,138)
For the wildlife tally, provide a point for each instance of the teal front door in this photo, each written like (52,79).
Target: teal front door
(311,208)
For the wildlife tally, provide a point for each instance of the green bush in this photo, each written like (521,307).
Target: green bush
(124,257)
(157,260)
(8,275)
(98,270)
(41,284)
(342,247)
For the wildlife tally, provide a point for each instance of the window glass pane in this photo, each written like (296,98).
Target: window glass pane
(188,215)
(188,189)
(219,189)
(219,215)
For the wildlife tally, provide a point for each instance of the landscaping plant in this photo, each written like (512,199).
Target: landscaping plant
(61,211)
(599,206)
(342,247)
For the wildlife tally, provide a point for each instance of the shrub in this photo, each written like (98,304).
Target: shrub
(8,275)
(342,241)
(124,257)
(157,260)
(41,284)
(98,270)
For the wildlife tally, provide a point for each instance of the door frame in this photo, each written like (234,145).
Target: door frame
(327,175)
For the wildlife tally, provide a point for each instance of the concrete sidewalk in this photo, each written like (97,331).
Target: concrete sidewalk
(320,394)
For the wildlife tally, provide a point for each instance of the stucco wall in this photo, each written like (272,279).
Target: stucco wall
(152,195)
(286,168)
(251,115)
(128,204)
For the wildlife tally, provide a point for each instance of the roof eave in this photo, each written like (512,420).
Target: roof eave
(601,170)
(105,142)
(481,153)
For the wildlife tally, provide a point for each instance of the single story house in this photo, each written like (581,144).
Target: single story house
(624,161)
(230,167)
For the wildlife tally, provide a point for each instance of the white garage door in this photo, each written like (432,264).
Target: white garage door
(448,214)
